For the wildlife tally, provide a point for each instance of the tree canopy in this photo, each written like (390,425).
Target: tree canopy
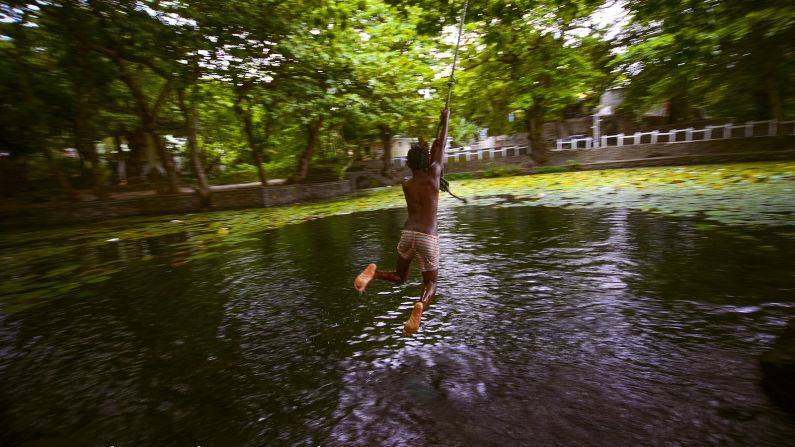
(94,94)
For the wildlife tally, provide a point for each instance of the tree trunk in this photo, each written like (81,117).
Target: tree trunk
(172,185)
(255,153)
(121,161)
(677,109)
(189,111)
(57,171)
(83,81)
(385,132)
(248,127)
(136,142)
(85,145)
(22,52)
(533,125)
(303,164)
(148,118)
(776,107)
(100,189)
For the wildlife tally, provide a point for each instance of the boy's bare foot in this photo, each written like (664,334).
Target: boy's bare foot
(364,278)
(413,323)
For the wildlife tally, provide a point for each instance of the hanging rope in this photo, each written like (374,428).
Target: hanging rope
(455,55)
(444,185)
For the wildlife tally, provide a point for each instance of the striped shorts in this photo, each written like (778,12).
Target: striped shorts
(424,246)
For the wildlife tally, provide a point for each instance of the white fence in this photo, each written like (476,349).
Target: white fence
(749,129)
(474,154)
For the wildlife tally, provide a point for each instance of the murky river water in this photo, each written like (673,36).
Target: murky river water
(551,327)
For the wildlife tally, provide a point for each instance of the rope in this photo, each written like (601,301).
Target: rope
(455,55)
(444,185)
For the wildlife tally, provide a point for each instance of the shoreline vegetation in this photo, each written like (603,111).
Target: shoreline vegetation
(58,262)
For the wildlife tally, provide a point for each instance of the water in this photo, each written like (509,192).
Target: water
(551,327)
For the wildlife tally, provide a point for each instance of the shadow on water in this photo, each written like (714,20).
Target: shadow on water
(552,327)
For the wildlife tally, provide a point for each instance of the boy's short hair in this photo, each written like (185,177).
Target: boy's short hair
(418,158)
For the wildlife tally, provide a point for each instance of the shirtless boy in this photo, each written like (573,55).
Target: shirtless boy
(419,237)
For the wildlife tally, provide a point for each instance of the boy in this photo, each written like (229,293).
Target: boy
(419,237)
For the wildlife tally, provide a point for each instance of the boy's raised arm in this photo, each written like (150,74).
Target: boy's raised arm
(437,150)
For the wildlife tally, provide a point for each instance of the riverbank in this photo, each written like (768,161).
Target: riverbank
(252,195)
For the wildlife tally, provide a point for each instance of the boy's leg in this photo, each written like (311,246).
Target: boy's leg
(371,272)
(428,287)
(428,293)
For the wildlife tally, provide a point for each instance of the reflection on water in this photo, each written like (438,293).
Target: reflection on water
(552,327)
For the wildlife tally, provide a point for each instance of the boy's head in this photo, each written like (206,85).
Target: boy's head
(418,158)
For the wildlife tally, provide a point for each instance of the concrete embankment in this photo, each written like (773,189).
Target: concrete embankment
(238,198)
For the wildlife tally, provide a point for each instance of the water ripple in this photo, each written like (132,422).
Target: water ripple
(551,327)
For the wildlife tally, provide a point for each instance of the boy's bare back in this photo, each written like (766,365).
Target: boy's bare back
(422,199)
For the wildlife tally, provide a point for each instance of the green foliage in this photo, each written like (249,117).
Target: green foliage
(281,167)
(711,58)
(286,84)
(460,176)
(549,169)
(461,130)
(240,173)
(573,165)
(532,59)
(493,170)
(500,170)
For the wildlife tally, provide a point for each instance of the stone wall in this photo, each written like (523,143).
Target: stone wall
(725,148)
(230,199)
(76,212)
(282,195)
(248,197)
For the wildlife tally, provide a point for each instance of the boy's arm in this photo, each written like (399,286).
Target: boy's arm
(437,150)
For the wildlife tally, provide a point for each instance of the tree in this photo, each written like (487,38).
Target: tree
(364,65)
(33,100)
(718,57)
(88,78)
(187,103)
(397,63)
(245,53)
(536,58)
(130,36)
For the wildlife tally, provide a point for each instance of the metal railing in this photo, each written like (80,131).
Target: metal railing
(455,156)
(768,128)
